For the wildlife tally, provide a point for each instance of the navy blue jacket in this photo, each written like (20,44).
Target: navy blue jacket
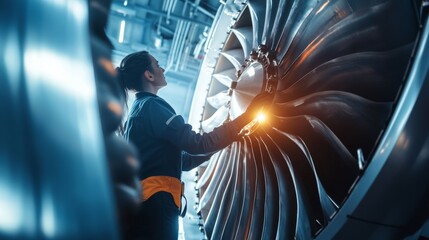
(166,144)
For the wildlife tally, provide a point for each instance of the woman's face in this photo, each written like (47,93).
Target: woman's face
(158,73)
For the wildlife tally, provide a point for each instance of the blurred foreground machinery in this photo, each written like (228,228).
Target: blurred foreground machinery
(59,110)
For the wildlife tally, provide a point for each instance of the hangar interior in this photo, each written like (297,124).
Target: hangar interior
(342,154)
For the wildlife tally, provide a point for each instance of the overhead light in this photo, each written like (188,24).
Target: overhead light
(158,42)
(121,32)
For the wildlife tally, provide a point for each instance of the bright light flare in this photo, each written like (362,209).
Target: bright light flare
(254,124)
(261,117)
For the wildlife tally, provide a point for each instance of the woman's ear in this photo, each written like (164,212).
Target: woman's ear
(148,75)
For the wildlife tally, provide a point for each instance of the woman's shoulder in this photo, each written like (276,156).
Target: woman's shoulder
(151,105)
(160,104)
(140,106)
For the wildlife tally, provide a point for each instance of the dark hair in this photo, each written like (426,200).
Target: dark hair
(131,69)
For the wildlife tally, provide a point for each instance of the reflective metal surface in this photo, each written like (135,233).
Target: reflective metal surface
(392,196)
(340,67)
(53,176)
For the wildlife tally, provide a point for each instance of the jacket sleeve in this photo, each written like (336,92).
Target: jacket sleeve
(172,128)
(190,162)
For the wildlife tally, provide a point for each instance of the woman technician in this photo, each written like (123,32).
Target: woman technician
(166,145)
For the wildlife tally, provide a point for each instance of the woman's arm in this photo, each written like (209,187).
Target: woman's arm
(190,162)
(172,128)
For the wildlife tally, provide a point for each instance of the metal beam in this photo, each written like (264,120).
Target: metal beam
(131,10)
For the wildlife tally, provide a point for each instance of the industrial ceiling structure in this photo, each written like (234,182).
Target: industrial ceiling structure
(342,154)
(174,32)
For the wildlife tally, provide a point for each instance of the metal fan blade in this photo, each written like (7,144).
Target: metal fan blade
(363,74)
(216,119)
(287,199)
(249,180)
(229,211)
(356,129)
(209,171)
(307,172)
(219,99)
(255,225)
(257,13)
(271,200)
(352,35)
(303,178)
(221,194)
(297,16)
(318,21)
(235,56)
(270,16)
(327,151)
(209,192)
(245,37)
(282,13)
(226,77)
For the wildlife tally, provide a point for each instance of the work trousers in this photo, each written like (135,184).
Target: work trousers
(157,219)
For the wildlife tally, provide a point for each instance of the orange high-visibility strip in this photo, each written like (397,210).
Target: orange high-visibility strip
(154,184)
